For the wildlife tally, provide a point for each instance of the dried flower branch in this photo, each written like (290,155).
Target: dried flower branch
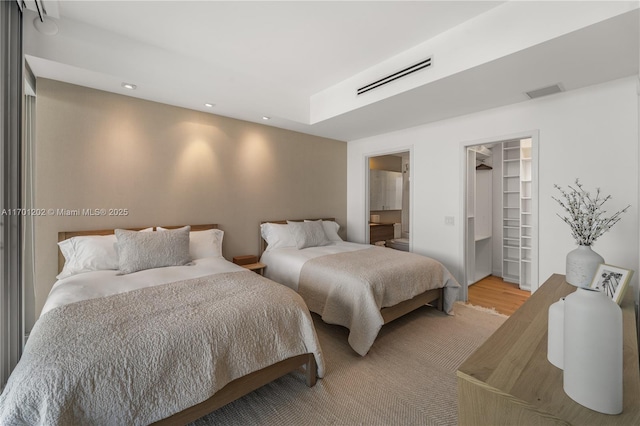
(585,213)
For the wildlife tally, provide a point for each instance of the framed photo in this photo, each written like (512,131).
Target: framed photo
(612,280)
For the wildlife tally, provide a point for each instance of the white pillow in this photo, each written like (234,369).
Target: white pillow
(331,229)
(207,243)
(308,234)
(147,250)
(277,235)
(89,253)
(86,254)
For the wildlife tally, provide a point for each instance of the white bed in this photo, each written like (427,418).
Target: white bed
(284,264)
(359,286)
(165,345)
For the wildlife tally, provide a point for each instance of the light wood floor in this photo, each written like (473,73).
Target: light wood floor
(493,292)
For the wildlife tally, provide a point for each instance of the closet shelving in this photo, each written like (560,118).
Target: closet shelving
(525,214)
(516,212)
(511,211)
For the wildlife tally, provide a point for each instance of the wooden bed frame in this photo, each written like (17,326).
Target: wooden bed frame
(240,386)
(392,312)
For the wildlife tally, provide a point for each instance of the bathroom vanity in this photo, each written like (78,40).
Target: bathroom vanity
(389,233)
(380,232)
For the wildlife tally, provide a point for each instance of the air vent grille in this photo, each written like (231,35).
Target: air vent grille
(545,91)
(396,75)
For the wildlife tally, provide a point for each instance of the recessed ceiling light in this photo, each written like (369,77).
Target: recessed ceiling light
(209,105)
(264,117)
(46,26)
(129,86)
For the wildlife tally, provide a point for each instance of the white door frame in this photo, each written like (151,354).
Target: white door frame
(534,135)
(367,211)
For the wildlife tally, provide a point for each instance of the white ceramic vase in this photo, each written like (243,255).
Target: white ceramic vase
(582,264)
(593,351)
(555,334)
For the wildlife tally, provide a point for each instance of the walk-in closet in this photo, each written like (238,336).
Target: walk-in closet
(499,206)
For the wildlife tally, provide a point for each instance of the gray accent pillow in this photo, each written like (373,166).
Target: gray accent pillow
(308,234)
(148,250)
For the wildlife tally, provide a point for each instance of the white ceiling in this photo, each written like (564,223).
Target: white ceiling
(253,59)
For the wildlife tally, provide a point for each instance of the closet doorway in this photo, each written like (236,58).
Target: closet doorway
(501,227)
(389,200)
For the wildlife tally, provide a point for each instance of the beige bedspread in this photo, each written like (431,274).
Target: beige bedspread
(139,357)
(350,288)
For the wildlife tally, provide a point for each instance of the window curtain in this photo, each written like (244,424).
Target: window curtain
(11,89)
(28,260)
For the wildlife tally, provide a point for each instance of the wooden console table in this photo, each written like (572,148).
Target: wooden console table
(509,381)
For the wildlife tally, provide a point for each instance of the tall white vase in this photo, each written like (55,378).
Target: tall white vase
(582,264)
(555,334)
(593,351)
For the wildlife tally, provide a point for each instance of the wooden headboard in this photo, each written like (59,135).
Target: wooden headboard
(263,243)
(70,234)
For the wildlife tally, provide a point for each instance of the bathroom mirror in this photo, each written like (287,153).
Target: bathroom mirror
(385,190)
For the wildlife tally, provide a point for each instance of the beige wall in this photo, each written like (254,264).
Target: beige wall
(171,166)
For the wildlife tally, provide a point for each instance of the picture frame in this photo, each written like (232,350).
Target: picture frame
(612,280)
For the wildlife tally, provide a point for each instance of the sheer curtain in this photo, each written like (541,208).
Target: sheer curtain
(28,252)
(11,84)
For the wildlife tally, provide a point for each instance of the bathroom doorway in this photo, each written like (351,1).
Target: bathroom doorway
(389,200)
(501,211)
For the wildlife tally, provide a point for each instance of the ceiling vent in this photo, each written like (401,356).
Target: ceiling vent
(396,75)
(549,90)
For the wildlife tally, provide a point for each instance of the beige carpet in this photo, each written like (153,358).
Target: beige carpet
(408,377)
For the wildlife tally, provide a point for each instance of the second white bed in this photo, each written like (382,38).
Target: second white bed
(349,283)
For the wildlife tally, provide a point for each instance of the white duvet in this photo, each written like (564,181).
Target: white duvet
(348,283)
(284,264)
(105,283)
(138,348)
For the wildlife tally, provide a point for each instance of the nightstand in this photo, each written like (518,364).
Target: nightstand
(257,267)
(250,262)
